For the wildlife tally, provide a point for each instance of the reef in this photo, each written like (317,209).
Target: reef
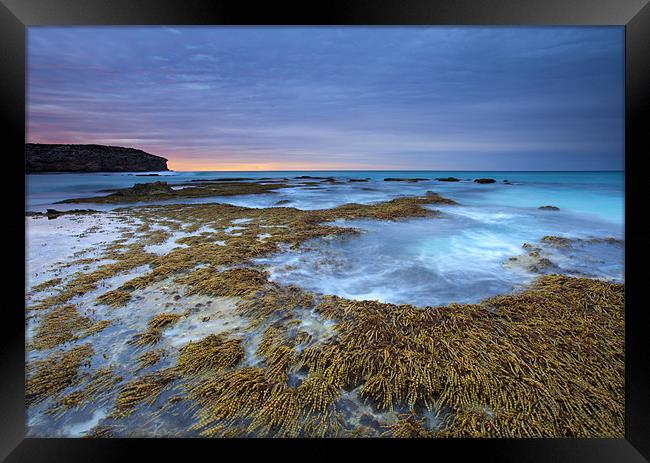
(161,191)
(547,361)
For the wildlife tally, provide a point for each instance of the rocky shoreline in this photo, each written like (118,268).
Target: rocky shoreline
(200,331)
(44,158)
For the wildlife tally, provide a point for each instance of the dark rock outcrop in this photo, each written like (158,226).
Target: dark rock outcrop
(146,189)
(392,179)
(89,158)
(548,208)
(53,213)
(225,179)
(484,180)
(448,179)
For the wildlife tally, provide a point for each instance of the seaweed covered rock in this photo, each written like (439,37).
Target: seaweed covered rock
(155,191)
(448,179)
(558,241)
(144,189)
(484,180)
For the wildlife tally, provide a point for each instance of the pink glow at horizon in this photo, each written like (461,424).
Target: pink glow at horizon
(413,98)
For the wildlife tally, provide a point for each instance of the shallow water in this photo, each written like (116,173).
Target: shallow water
(457,257)
(596,193)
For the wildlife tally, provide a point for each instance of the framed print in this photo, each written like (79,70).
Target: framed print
(379,224)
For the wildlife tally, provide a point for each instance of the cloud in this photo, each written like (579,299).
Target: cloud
(427,97)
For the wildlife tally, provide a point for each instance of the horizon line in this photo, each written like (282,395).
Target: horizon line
(393,170)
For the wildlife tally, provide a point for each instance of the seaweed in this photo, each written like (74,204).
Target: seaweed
(409,426)
(144,389)
(148,358)
(114,298)
(523,360)
(82,283)
(46,285)
(547,361)
(97,386)
(49,376)
(213,353)
(155,326)
(234,282)
(63,324)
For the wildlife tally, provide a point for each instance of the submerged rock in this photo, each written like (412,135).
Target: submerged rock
(484,180)
(557,254)
(556,241)
(532,261)
(448,179)
(608,240)
(315,178)
(282,201)
(358,180)
(392,179)
(548,208)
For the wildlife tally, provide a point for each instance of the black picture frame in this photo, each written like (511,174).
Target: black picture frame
(16,15)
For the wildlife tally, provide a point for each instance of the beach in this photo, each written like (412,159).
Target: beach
(334,304)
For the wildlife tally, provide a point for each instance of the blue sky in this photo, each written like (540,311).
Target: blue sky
(235,98)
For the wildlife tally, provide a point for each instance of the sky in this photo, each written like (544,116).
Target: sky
(334,98)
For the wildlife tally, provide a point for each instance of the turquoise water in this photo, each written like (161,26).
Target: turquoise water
(461,256)
(598,193)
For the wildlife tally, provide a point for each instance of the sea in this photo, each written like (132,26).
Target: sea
(461,256)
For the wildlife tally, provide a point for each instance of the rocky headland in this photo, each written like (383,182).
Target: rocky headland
(89,158)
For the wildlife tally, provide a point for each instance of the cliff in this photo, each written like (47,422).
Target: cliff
(89,158)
